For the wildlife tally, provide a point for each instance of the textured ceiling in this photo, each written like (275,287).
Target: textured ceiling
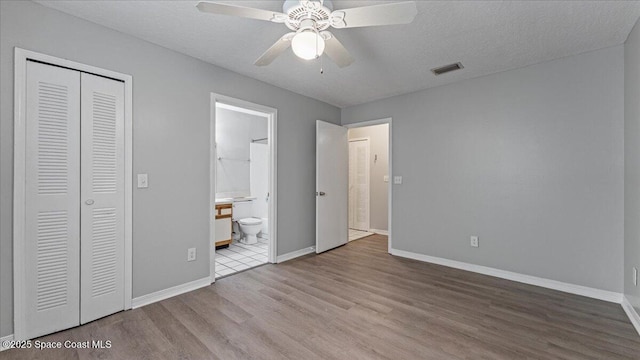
(486,36)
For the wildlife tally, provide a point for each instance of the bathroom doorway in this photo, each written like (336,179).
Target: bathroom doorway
(243,192)
(368,180)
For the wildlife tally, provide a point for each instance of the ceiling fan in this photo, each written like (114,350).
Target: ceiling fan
(309,21)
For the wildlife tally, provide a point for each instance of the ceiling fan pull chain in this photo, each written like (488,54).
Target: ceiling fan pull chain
(318,50)
(317,36)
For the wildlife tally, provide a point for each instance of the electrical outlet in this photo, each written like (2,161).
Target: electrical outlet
(143,181)
(474,241)
(397,180)
(635,276)
(191,254)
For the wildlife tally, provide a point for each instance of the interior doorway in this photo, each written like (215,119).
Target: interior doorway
(368,180)
(243,192)
(332,184)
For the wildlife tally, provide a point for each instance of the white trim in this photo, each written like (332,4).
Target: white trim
(170,292)
(368,123)
(20,74)
(295,254)
(239,109)
(605,295)
(3,340)
(271,114)
(273,186)
(128,191)
(380,232)
(211,244)
(631,313)
(19,194)
(389,121)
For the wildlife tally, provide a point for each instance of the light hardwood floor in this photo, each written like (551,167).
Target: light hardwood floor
(358,302)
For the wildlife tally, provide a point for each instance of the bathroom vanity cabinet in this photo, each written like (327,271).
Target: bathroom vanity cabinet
(224,213)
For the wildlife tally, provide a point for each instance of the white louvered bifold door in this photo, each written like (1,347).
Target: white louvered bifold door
(102,193)
(52,193)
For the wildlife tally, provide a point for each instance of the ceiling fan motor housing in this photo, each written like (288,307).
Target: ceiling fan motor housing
(307,14)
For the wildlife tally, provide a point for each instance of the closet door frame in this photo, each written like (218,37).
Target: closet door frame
(21,57)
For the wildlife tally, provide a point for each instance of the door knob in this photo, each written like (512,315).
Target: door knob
(321,193)
(89,202)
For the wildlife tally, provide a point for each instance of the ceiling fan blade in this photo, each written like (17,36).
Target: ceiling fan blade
(275,50)
(376,15)
(241,11)
(336,51)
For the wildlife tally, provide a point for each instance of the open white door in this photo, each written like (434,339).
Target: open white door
(332,186)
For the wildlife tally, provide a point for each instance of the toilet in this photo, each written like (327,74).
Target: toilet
(249,226)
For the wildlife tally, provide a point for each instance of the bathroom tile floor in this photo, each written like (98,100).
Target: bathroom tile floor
(239,256)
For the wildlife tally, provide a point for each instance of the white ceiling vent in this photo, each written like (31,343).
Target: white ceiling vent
(447,68)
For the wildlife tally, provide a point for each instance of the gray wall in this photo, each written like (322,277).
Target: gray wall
(171,143)
(234,132)
(530,160)
(379,189)
(632,164)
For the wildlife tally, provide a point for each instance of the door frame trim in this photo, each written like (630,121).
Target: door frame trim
(21,56)
(389,121)
(272,118)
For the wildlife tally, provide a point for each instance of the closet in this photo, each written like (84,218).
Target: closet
(74,199)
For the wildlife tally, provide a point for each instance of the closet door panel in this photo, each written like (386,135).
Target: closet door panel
(52,189)
(102,193)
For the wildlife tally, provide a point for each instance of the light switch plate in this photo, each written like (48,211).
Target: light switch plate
(386,178)
(143,181)
(397,180)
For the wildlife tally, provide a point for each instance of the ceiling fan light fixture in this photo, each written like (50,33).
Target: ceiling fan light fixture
(307,45)
(309,20)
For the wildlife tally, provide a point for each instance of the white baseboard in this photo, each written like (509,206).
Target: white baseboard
(605,295)
(295,254)
(2,341)
(381,232)
(170,292)
(631,313)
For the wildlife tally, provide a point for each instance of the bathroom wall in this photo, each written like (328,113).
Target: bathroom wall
(632,164)
(234,132)
(530,160)
(379,189)
(259,179)
(171,108)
